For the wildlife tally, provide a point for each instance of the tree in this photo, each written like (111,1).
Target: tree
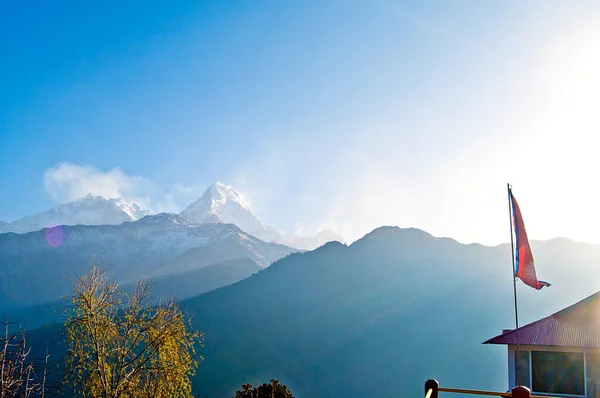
(272,390)
(120,346)
(20,374)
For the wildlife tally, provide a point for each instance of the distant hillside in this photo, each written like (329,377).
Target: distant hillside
(34,272)
(388,312)
(180,285)
(378,317)
(192,283)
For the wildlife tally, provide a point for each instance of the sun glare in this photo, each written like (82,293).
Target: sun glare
(568,131)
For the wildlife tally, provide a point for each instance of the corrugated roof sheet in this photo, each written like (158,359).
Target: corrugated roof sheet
(574,326)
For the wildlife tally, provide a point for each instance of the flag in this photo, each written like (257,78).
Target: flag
(524,264)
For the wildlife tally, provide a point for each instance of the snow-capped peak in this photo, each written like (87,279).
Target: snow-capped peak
(130,208)
(221,203)
(89,210)
(91,201)
(221,193)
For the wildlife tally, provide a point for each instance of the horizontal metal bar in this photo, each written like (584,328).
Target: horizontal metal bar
(482,392)
(477,392)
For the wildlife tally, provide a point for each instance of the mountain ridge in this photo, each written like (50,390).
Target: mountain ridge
(393,309)
(89,210)
(152,246)
(220,203)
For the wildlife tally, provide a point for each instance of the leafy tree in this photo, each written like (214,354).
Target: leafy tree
(120,346)
(272,390)
(20,374)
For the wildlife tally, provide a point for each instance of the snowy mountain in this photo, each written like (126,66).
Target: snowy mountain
(90,210)
(222,204)
(154,246)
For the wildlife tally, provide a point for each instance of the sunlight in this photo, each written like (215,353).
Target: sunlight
(566,123)
(572,92)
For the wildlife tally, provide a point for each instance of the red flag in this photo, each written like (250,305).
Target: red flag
(524,264)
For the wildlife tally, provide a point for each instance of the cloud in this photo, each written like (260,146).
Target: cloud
(66,182)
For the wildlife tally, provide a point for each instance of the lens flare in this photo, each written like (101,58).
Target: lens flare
(54,236)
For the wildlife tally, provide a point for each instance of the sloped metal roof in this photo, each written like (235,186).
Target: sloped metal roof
(574,326)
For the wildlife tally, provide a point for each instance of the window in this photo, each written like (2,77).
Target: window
(558,372)
(593,374)
(522,368)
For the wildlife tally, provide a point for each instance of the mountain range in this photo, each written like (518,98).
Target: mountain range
(153,246)
(51,246)
(90,210)
(375,318)
(219,204)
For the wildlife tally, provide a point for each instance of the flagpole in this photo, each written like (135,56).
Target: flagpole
(514,276)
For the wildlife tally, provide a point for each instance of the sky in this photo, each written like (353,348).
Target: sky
(339,114)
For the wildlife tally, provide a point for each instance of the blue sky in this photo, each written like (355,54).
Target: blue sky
(339,114)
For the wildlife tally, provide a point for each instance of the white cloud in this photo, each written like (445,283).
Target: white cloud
(66,182)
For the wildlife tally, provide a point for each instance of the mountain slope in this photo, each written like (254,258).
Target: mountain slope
(34,267)
(222,204)
(181,285)
(376,318)
(91,210)
(187,284)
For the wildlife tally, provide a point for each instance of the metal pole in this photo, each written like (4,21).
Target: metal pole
(514,275)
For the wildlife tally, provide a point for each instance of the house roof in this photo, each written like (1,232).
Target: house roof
(574,326)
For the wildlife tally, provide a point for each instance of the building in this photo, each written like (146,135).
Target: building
(559,354)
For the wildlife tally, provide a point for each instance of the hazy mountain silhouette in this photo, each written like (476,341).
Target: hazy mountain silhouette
(34,272)
(378,317)
(388,312)
(180,285)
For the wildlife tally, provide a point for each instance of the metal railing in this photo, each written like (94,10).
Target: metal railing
(432,390)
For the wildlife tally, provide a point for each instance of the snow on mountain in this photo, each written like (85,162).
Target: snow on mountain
(90,210)
(153,246)
(222,204)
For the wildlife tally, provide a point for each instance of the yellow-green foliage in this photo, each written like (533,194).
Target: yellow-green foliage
(120,346)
